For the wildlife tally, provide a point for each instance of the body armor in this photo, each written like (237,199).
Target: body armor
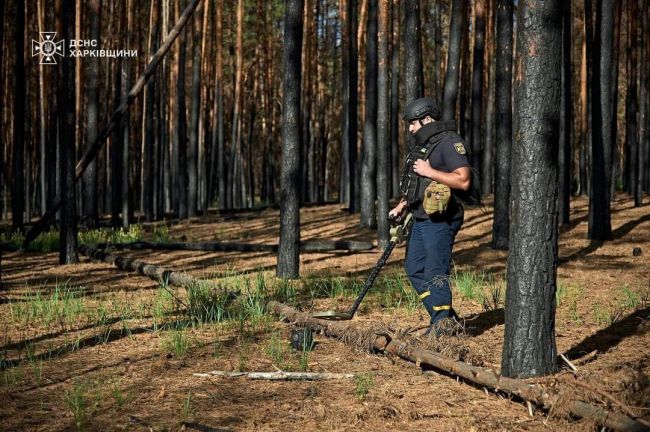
(411,184)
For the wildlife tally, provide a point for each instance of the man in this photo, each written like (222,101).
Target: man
(428,257)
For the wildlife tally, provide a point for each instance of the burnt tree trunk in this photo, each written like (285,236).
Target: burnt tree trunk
(529,343)
(383,119)
(92,112)
(394,102)
(193,148)
(566,121)
(476,141)
(600,226)
(181,130)
(18,150)
(631,102)
(369,156)
(413,73)
(349,76)
(616,175)
(501,223)
(453,59)
(288,253)
(68,232)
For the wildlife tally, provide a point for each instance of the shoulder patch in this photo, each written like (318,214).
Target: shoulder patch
(460,148)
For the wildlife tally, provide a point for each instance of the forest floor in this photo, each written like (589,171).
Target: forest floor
(91,347)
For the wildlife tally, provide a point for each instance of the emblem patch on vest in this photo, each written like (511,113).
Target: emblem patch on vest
(460,148)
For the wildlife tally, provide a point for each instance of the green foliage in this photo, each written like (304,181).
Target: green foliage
(47,241)
(76,399)
(113,235)
(161,233)
(187,410)
(64,305)
(632,299)
(573,312)
(605,316)
(12,240)
(205,304)
(277,351)
(177,341)
(470,284)
(118,394)
(364,382)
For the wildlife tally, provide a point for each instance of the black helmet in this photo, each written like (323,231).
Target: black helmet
(420,108)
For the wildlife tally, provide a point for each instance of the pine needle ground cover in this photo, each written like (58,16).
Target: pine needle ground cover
(90,347)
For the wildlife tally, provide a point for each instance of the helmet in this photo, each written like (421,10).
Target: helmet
(420,108)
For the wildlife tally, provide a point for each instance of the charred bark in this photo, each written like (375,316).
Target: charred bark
(453,59)
(600,226)
(501,222)
(529,343)
(369,156)
(288,253)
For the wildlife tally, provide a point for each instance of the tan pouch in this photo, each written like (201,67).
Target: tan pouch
(436,198)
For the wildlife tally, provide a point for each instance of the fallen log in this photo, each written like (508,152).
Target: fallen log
(278,376)
(305,246)
(541,396)
(153,271)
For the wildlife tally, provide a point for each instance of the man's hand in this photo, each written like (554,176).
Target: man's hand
(397,211)
(423,168)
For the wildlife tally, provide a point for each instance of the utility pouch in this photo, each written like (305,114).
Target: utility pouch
(436,198)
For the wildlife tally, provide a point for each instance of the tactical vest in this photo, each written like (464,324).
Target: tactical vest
(411,184)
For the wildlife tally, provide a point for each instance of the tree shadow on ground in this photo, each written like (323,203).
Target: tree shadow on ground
(596,244)
(634,324)
(484,321)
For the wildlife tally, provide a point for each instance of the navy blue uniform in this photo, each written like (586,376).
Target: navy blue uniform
(428,257)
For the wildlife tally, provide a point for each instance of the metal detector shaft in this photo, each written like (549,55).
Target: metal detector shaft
(398,234)
(372,277)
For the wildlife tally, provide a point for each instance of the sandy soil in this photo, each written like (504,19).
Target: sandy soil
(123,376)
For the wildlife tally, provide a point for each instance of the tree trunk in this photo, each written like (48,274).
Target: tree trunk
(92,119)
(369,157)
(383,119)
(221,165)
(631,103)
(453,59)
(466,77)
(118,134)
(18,150)
(642,146)
(529,342)
(181,127)
(288,253)
(148,135)
(487,181)
(600,226)
(566,121)
(476,141)
(42,118)
(127,193)
(616,175)
(501,223)
(395,124)
(193,148)
(68,231)
(348,181)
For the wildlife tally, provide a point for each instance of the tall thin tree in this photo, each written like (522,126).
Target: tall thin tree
(453,59)
(529,342)
(369,156)
(566,121)
(413,72)
(476,141)
(501,223)
(68,232)
(289,247)
(600,226)
(383,119)
(18,150)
